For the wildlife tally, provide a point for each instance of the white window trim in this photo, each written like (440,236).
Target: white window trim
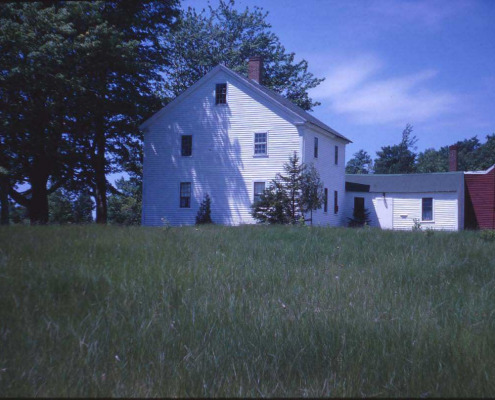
(257,181)
(226,94)
(192,146)
(190,196)
(427,221)
(254,145)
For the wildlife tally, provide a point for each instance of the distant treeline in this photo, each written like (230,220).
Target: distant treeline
(402,158)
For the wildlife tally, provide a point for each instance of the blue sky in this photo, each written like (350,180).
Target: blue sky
(387,63)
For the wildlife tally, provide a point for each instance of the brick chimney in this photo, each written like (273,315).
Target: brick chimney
(453,158)
(255,68)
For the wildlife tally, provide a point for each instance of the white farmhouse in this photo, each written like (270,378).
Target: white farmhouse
(227,136)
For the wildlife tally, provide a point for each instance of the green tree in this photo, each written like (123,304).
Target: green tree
(472,155)
(312,191)
(76,79)
(204,212)
(60,207)
(273,206)
(360,163)
(290,195)
(398,159)
(36,43)
(83,208)
(432,160)
(228,36)
(486,156)
(125,206)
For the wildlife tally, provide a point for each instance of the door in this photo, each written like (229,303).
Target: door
(384,212)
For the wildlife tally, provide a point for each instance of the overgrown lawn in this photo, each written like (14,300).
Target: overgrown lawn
(245,311)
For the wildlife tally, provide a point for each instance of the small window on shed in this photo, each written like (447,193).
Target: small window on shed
(221,93)
(427,209)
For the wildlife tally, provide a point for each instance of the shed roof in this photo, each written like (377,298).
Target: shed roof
(406,183)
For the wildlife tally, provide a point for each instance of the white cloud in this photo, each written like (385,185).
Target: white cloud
(426,12)
(357,90)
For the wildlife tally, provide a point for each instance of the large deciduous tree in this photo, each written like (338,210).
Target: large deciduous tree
(360,163)
(228,36)
(397,159)
(76,79)
(472,156)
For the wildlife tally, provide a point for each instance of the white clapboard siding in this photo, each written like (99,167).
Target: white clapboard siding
(407,207)
(222,162)
(332,176)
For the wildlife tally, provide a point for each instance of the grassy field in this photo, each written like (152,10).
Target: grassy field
(246,311)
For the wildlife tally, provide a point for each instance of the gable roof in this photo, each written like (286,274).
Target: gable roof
(279,100)
(406,183)
(286,103)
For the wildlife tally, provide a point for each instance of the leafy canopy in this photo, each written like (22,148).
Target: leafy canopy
(400,158)
(360,163)
(224,35)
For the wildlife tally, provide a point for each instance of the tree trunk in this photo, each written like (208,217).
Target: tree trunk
(38,206)
(100,178)
(4,199)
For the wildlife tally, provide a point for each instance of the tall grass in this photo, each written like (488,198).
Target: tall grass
(246,311)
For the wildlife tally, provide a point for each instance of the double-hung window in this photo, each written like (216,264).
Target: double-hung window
(316,148)
(221,93)
(186,145)
(427,209)
(260,144)
(185,195)
(259,188)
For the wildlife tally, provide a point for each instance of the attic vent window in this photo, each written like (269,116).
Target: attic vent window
(221,93)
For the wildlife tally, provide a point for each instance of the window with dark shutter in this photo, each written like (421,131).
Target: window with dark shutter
(335,202)
(325,201)
(186,146)
(336,155)
(316,147)
(221,93)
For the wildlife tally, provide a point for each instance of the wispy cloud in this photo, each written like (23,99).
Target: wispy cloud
(426,12)
(358,90)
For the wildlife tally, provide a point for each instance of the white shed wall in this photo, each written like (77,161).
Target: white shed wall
(407,206)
